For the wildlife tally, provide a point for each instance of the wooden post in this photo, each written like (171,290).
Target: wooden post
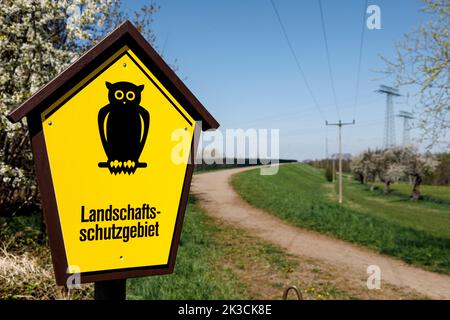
(110,290)
(340,124)
(340,162)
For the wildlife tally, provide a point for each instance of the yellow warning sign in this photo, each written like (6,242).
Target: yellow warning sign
(113,144)
(118,164)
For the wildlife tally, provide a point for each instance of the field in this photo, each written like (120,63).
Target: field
(431,215)
(438,194)
(416,232)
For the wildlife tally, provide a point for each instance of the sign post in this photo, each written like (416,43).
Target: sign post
(110,290)
(113,143)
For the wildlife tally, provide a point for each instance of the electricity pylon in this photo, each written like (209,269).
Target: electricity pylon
(407,116)
(389,120)
(340,124)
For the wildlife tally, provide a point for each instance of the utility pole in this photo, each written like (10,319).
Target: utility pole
(340,124)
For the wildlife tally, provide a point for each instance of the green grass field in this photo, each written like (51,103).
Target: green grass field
(437,194)
(417,232)
(431,215)
(199,273)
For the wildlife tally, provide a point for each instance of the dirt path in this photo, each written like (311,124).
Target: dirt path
(219,199)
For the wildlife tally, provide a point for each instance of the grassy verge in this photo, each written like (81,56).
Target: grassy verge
(199,273)
(300,195)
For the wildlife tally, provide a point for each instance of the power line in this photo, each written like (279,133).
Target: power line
(358,72)
(305,111)
(297,62)
(330,72)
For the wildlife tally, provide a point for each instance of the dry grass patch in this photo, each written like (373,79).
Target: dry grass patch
(29,276)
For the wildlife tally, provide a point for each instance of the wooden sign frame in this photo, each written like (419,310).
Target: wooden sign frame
(124,35)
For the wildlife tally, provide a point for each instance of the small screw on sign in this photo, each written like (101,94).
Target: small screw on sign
(121,258)
(124,65)
(50,123)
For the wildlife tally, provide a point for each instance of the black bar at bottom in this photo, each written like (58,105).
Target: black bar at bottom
(110,290)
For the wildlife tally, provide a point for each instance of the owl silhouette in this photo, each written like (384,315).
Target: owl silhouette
(123,125)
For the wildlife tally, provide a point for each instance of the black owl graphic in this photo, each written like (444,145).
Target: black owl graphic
(123,125)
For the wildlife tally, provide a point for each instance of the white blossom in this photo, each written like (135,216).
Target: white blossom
(38,39)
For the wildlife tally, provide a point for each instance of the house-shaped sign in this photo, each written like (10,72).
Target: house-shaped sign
(113,143)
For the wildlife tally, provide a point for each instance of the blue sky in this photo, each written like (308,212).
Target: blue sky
(234,58)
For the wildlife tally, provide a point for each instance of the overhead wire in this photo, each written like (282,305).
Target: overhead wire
(358,72)
(304,112)
(330,71)
(297,61)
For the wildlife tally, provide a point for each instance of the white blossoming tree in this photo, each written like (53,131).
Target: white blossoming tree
(363,166)
(387,163)
(38,39)
(418,166)
(390,165)
(421,68)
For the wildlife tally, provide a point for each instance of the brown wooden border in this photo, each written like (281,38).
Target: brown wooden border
(126,30)
(125,34)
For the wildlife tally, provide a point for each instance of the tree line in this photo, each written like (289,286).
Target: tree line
(388,166)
